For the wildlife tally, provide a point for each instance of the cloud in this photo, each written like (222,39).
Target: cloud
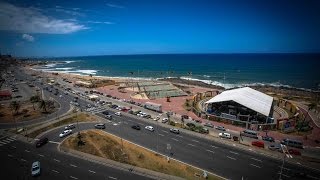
(28,37)
(32,20)
(115,6)
(100,22)
(73,13)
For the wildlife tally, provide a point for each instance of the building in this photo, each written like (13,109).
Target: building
(5,95)
(242,105)
(83,84)
(93,97)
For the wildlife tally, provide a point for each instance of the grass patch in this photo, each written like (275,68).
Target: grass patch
(80,118)
(105,145)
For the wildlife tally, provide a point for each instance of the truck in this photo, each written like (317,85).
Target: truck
(153,106)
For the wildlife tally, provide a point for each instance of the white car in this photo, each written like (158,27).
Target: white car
(156,118)
(164,120)
(65,133)
(118,113)
(225,135)
(150,128)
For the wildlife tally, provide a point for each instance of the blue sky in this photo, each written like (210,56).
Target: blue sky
(79,28)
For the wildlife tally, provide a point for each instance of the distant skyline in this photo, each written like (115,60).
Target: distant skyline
(83,28)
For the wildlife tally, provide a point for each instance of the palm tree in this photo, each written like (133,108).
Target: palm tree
(15,106)
(43,105)
(34,99)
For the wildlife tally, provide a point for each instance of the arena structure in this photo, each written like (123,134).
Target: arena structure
(242,105)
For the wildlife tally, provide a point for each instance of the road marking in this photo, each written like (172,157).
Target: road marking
(92,171)
(234,152)
(285,168)
(209,150)
(255,165)
(256,159)
(54,171)
(3,143)
(174,139)
(10,139)
(195,140)
(73,165)
(6,141)
(56,160)
(112,177)
(54,142)
(161,135)
(231,158)
(10,155)
(73,177)
(26,150)
(180,136)
(191,145)
(214,146)
(41,155)
(24,160)
(284,175)
(164,131)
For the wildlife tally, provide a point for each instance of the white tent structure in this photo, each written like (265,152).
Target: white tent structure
(247,97)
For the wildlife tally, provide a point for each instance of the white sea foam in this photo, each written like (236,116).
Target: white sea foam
(50,65)
(93,72)
(69,62)
(65,68)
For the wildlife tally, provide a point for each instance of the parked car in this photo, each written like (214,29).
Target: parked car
(175,130)
(100,126)
(108,117)
(35,168)
(274,147)
(268,138)
(164,120)
(204,130)
(136,127)
(258,143)
(42,142)
(294,152)
(225,135)
(105,112)
(118,113)
(150,128)
(235,138)
(156,118)
(65,133)
(185,117)
(70,126)
(292,143)
(208,124)
(221,128)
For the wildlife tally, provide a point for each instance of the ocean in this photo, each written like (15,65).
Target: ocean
(227,70)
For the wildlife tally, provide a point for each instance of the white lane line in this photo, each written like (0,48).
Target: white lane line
(54,171)
(180,136)
(2,142)
(209,150)
(255,165)
(73,165)
(191,145)
(164,131)
(10,155)
(13,147)
(23,160)
(231,158)
(174,139)
(5,141)
(195,140)
(234,152)
(92,171)
(56,160)
(41,155)
(112,177)
(161,135)
(54,142)
(26,150)
(10,139)
(256,159)
(73,177)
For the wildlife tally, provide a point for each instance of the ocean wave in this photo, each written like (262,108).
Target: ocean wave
(69,62)
(50,65)
(87,71)
(65,68)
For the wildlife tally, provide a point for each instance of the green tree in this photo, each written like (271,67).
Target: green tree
(34,99)
(43,105)
(15,106)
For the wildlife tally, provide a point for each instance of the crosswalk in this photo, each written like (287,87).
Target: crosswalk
(96,109)
(6,140)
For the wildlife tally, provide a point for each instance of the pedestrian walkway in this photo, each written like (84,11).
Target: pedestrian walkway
(6,140)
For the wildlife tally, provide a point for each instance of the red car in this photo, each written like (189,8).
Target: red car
(258,144)
(294,152)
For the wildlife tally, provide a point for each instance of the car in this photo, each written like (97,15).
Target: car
(105,112)
(156,118)
(148,116)
(204,130)
(258,144)
(225,135)
(164,120)
(60,96)
(221,128)
(35,168)
(70,126)
(268,138)
(100,126)
(185,117)
(174,130)
(108,117)
(274,147)
(150,128)
(42,142)
(294,152)
(208,124)
(89,105)
(136,127)
(66,93)
(65,133)
(118,113)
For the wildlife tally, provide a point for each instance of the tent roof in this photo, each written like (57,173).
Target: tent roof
(247,97)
